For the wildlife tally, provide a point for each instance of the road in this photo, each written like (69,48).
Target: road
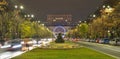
(4,54)
(10,54)
(113,51)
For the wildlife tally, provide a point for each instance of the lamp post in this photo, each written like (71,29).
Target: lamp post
(30,17)
(17,29)
(105,11)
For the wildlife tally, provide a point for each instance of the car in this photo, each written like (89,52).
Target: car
(115,41)
(97,40)
(14,47)
(92,40)
(101,41)
(106,40)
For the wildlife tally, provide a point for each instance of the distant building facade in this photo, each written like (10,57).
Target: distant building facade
(59,20)
(59,23)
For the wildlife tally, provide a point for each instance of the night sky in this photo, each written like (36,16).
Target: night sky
(80,9)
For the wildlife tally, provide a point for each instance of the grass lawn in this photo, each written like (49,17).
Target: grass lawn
(67,44)
(75,53)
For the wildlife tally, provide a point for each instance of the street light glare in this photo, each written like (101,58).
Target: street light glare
(28,15)
(43,24)
(103,6)
(79,21)
(21,7)
(38,21)
(108,6)
(32,16)
(16,6)
(94,15)
(108,31)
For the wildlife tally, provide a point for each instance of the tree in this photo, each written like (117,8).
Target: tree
(27,29)
(111,2)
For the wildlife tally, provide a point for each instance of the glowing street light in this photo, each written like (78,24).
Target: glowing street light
(108,31)
(38,21)
(108,6)
(79,21)
(94,15)
(32,16)
(42,24)
(16,6)
(108,9)
(103,6)
(28,15)
(54,20)
(66,20)
(21,7)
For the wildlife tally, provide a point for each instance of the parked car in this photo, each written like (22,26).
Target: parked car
(97,40)
(115,41)
(92,40)
(106,40)
(101,41)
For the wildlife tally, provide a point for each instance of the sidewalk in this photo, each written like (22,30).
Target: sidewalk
(107,46)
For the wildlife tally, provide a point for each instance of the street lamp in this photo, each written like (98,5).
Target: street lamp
(108,31)
(17,11)
(94,15)
(103,6)
(16,6)
(28,15)
(42,24)
(32,16)
(21,7)
(80,21)
(38,21)
(107,9)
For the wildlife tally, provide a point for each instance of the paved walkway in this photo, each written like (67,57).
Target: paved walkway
(106,49)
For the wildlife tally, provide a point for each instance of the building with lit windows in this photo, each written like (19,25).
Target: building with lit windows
(59,23)
(59,20)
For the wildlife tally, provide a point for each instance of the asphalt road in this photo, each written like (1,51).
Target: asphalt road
(113,51)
